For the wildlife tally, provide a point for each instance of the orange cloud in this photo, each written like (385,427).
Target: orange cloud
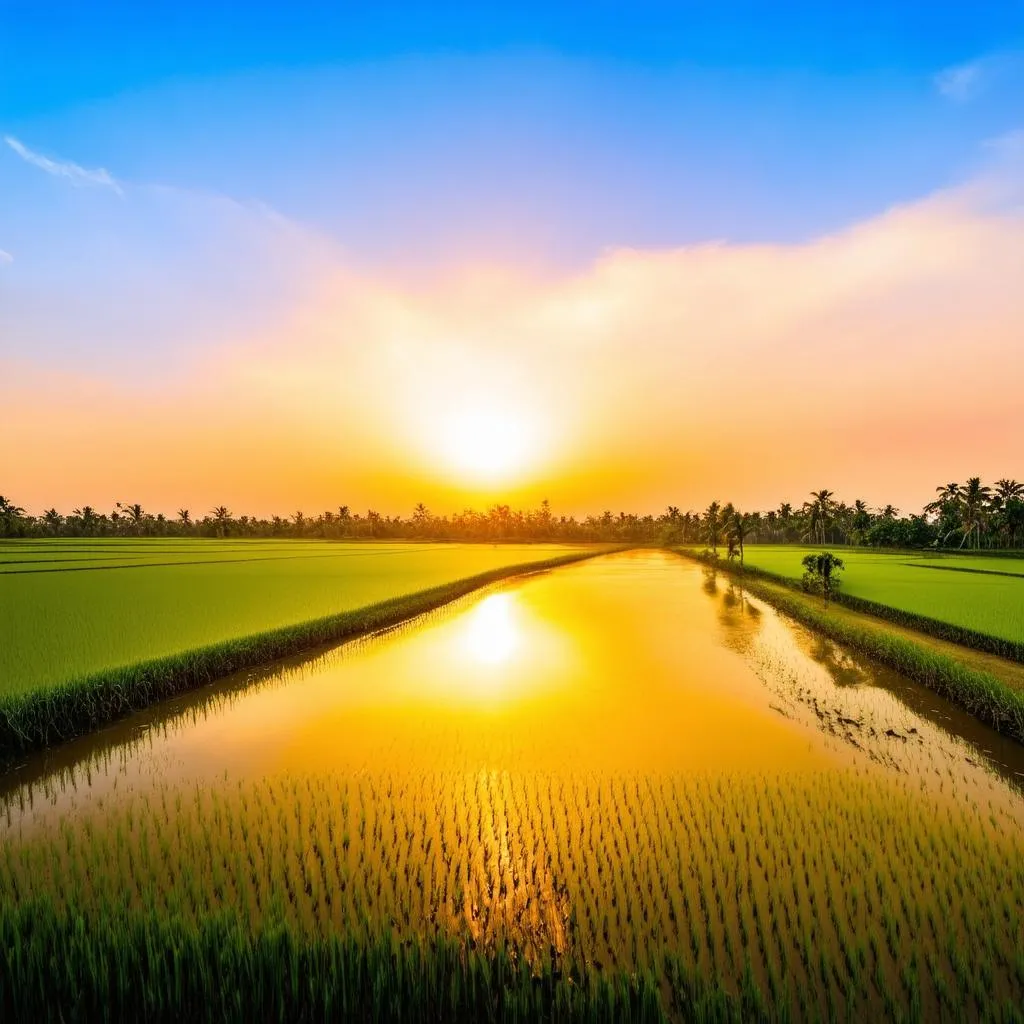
(875,361)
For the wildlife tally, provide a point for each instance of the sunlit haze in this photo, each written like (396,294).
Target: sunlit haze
(613,262)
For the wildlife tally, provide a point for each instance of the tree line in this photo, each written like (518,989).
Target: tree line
(971,516)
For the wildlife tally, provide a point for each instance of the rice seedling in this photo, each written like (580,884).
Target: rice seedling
(519,889)
(493,865)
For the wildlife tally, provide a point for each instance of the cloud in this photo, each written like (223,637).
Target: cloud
(876,361)
(962,82)
(5,258)
(77,175)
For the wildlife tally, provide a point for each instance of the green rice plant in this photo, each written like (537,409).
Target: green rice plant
(556,917)
(37,718)
(127,601)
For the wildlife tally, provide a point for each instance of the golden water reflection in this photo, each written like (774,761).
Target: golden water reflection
(491,633)
(633,663)
(602,763)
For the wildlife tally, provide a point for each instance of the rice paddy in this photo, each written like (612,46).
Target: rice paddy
(984,595)
(70,608)
(543,800)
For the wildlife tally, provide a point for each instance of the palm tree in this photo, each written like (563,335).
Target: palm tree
(974,498)
(87,516)
(221,518)
(820,512)
(861,520)
(184,517)
(134,515)
(948,494)
(1007,489)
(785,518)
(52,519)
(9,514)
(739,527)
(712,525)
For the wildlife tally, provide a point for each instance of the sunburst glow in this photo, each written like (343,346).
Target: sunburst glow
(487,444)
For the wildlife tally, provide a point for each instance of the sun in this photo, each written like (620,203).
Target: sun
(487,444)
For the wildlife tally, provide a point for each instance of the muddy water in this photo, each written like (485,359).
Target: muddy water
(630,663)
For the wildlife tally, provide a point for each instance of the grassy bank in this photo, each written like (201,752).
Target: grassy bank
(982,694)
(976,602)
(41,717)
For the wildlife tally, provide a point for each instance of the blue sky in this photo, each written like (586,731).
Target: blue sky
(190,187)
(535,130)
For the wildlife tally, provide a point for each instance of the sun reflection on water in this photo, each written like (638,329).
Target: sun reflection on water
(490,633)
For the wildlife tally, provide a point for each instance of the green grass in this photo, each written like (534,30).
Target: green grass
(987,601)
(35,718)
(117,602)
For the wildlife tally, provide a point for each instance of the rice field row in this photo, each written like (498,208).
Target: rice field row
(545,802)
(845,893)
(989,599)
(61,625)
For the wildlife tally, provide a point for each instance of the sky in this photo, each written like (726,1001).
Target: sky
(289,257)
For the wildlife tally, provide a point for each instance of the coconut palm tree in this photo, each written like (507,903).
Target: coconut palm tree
(785,519)
(712,525)
(221,519)
(87,517)
(860,520)
(974,499)
(10,514)
(820,512)
(739,527)
(53,520)
(1007,489)
(134,515)
(947,494)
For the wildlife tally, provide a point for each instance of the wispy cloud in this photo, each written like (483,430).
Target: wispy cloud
(74,173)
(963,81)
(5,258)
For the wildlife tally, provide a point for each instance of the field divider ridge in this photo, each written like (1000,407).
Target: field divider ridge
(54,714)
(980,693)
(1011,650)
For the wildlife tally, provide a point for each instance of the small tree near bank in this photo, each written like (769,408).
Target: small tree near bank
(821,574)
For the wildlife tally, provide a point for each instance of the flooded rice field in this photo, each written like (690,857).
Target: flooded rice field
(596,767)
